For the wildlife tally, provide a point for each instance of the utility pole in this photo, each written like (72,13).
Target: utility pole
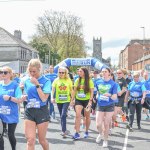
(143,47)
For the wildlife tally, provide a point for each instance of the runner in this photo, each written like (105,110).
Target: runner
(121,95)
(83,94)
(37,87)
(107,93)
(63,87)
(137,92)
(52,76)
(10,97)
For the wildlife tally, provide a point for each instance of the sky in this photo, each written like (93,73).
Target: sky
(115,21)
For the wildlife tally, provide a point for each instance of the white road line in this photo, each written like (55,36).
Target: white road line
(139,141)
(126,140)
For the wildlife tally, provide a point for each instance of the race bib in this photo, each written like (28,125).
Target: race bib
(33,104)
(135,94)
(104,98)
(147,92)
(95,89)
(63,97)
(81,95)
(5,110)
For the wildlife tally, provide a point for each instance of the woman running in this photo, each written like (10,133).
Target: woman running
(83,94)
(107,93)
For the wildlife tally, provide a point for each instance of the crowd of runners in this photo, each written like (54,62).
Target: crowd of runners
(105,94)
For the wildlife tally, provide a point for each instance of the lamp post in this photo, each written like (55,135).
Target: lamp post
(49,56)
(143,46)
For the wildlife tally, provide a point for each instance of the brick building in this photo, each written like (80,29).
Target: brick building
(143,61)
(14,52)
(132,53)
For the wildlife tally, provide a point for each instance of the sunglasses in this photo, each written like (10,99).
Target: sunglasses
(119,73)
(4,72)
(61,72)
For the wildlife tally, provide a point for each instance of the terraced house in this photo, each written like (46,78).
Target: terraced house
(15,52)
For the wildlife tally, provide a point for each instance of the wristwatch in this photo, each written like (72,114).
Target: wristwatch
(37,86)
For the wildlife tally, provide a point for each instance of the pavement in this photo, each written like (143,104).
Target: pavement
(120,139)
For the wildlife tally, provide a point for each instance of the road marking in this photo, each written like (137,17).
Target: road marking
(126,140)
(139,141)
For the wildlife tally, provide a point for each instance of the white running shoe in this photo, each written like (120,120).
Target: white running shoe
(105,144)
(98,139)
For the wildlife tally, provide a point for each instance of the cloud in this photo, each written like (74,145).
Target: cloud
(113,53)
(115,43)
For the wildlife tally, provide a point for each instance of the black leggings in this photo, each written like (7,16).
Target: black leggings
(11,136)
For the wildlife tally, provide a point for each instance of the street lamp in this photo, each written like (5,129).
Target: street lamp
(143,46)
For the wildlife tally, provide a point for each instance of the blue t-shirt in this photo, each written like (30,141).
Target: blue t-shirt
(136,89)
(94,81)
(17,79)
(33,99)
(51,76)
(105,87)
(147,86)
(9,109)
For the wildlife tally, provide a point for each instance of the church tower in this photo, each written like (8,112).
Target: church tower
(97,48)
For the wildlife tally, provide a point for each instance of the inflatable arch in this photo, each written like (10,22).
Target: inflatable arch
(81,62)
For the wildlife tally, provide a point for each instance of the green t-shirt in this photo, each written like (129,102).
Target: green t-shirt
(63,91)
(80,95)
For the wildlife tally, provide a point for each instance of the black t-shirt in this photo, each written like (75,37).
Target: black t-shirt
(122,83)
(128,80)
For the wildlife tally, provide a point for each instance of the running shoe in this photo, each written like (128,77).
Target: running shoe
(105,143)
(63,134)
(98,139)
(130,128)
(86,134)
(76,136)
(123,118)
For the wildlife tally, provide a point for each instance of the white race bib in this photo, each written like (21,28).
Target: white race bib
(135,94)
(104,98)
(95,89)
(147,92)
(63,97)
(81,95)
(5,110)
(33,103)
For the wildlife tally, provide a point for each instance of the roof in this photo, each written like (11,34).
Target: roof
(7,39)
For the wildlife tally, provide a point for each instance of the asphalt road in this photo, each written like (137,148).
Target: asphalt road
(120,139)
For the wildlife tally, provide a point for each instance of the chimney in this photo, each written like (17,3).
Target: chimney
(17,34)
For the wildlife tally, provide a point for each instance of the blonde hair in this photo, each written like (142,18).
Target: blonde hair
(35,63)
(66,72)
(9,70)
(136,74)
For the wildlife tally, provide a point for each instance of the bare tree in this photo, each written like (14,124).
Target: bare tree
(62,32)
